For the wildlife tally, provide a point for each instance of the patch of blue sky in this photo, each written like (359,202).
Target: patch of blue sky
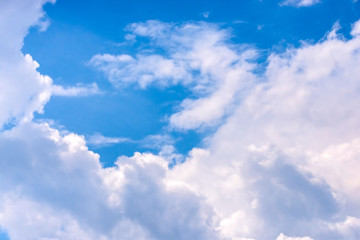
(81,29)
(3,236)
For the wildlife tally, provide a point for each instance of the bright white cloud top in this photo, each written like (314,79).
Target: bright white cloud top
(282,164)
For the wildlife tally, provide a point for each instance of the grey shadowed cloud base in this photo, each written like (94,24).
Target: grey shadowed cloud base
(283,163)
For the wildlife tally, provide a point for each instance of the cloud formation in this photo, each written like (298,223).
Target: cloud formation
(24,90)
(197,57)
(272,162)
(61,188)
(283,165)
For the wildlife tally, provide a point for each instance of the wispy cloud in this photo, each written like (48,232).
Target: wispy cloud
(157,141)
(76,91)
(299,3)
(197,57)
(100,140)
(205,14)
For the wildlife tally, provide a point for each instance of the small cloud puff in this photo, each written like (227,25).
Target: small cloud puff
(299,3)
(100,140)
(77,91)
(205,14)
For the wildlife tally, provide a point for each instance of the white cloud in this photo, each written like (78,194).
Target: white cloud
(205,14)
(78,90)
(306,92)
(57,189)
(35,184)
(23,90)
(26,90)
(279,164)
(356,29)
(282,166)
(168,152)
(284,237)
(157,141)
(253,200)
(49,223)
(197,57)
(145,70)
(99,139)
(300,3)
(339,165)
(349,228)
(286,160)
(56,180)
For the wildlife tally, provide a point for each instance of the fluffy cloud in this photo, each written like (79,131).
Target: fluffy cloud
(339,165)
(57,189)
(23,89)
(283,165)
(307,92)
(53,187)
(356,29)
(257,193)
(197,57)
(286,160)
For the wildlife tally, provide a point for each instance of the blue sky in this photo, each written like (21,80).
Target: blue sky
(78,32)
(156,120)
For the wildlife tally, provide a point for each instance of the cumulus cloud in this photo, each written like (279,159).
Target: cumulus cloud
(310,91)
(61,188)
(23,89)
(282,166)
(197,57)
(285,160)
(65,193)
(256,200)
(339,165)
